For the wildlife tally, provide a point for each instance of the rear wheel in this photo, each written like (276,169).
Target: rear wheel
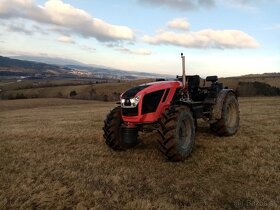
(229,123)
(177,131)
(112,129)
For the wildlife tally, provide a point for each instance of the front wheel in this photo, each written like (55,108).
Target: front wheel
(176,133)
(112,129)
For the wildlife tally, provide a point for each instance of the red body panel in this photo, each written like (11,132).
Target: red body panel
(154,116)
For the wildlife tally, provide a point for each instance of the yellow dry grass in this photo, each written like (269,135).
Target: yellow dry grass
(52,155)
(112,90)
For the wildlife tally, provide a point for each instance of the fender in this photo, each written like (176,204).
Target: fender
(216,112)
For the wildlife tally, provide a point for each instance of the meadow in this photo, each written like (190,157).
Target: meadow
(109,90)
(53,156)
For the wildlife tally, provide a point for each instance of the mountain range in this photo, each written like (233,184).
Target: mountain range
(25,65)
(47,67)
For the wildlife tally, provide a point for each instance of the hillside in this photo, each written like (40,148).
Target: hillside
(53,156)
(15,68)
(62,89)
(273,79)
(65,68)
(90,90)
(29,79)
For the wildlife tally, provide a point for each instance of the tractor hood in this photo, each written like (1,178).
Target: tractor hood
(149,87)
(144,103)
(133,91)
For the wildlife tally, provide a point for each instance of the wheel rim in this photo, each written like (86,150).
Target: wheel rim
(231,115)
(184,135)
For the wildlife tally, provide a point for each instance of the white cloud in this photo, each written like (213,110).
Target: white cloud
(252,6)
(17,27)
(140,51)
(248,2)
(196,4)
(207,38)
(58,13)
(179,23)
(66,39)
(181,4)
(21,26)
(87,48)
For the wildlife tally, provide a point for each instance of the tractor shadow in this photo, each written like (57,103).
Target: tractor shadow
(148,145)
(203,130)
(149,140)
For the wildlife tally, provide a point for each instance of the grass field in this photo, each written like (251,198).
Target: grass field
(52,155)
(62,89)
(86,90)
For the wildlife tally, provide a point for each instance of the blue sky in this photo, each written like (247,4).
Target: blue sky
(227,38)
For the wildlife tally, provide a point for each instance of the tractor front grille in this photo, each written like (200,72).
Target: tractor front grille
(130,111)
(151,101)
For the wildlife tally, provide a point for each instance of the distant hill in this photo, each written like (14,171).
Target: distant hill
(15,67)
(272,79)
(48,60)
(116,73)
(46,66)
(29,79)
(56,61)
(14,64)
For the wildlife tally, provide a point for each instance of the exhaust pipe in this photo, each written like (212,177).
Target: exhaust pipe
(184,71)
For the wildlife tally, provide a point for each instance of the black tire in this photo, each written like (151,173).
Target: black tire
(112,129)
(229,123)
(176,133)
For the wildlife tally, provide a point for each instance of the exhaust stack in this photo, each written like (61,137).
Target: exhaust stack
(183,71)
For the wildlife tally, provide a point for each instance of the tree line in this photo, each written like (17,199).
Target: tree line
(248,89)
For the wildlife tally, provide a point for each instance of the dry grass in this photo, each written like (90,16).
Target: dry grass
(112,90)
(52,155)
(232,82)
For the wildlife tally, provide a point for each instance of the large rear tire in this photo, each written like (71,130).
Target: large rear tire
(229,123)
(176,133)
(112,129)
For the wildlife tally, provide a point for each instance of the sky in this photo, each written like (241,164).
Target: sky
(218,37)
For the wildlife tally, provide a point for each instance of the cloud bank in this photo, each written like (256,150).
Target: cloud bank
(181,4)
(187,5)
(66,39)
(206,38)
(178,23)
(140,51)
(65,16)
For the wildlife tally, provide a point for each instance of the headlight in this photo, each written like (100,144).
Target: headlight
(137,98)
(133,102)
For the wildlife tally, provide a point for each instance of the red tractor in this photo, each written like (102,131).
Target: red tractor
(172,108)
